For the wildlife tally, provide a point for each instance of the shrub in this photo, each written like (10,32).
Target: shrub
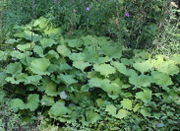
(89,82)
(134,23)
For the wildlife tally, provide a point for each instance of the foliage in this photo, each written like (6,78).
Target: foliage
(167,41)
(89,82)
(15,12)
(134,23)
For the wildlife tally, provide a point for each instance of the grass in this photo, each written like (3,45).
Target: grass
(168,41)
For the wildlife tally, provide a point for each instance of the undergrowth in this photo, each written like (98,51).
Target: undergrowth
(71,69)
(89,82)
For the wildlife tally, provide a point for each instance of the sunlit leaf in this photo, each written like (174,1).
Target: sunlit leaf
(127,104)
(144,96)
(104,69)
(122,113)
(63,50)
(111,109)
(39,66)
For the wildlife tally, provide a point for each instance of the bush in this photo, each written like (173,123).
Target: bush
(19,12)
(89,82)
(133,23)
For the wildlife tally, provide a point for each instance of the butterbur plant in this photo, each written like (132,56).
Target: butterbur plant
(87,80)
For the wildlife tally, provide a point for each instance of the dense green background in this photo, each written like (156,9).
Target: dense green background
(115,64)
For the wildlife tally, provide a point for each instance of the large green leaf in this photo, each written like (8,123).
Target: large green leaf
(47,100)
(112,88)
(144,66)
(19,55)
(112,50)
(2,55)
(145,96)
(33,79)
(141,81)
(127,104)
(122,113)
(39,50)
(161,79)
(63,50)
(39,66)
(50,89)
(17,104)
(176,58)
(32,102)
(42,23)
(59,109)
(111,109)
(92,116)
(104,69)
(46,42)
(14,68)
(28,35)
(74,43)
(25,47)
(67,79)
(122,69)
(168,68)
(81,65)
(3,76)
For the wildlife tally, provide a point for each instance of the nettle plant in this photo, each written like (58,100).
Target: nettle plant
(81,80)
